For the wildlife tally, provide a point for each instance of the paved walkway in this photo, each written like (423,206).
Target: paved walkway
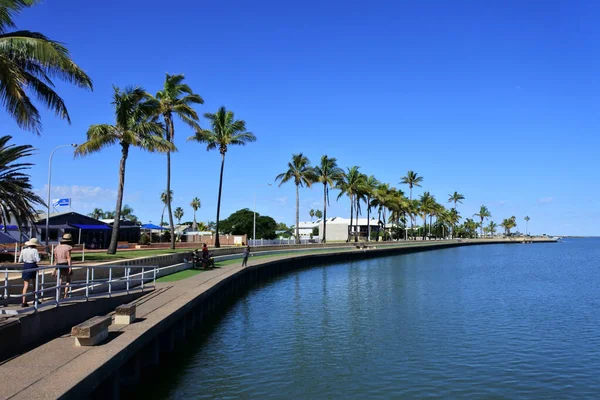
(51,370)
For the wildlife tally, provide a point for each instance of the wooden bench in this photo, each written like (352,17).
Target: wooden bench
(125,314)
(92,331)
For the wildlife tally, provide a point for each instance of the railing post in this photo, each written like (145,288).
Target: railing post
(92,288)
(143,271)
(52,256)
(109,281)
(57,287)
(35,296)
(16,252)
(154,281)
(87,284)
(5,285)
(43,282)
(83,254)
(127,276)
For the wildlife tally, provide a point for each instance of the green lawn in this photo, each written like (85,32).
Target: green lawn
(126,254)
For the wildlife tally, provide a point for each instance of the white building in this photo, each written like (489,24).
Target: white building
(337,228)
(306,228)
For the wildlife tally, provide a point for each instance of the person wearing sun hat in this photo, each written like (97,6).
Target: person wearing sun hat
(62,260)
(29,257)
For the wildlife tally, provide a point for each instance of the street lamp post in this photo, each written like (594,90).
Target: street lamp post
(49,180)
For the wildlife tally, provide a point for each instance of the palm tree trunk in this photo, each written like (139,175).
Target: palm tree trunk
(297,214)
(169,200)
(351,215)
(356,226)
(217,241)
(114,237)
(424,225)
(195,227)
(378,224)
(368,219)
(324,212)
(162,220)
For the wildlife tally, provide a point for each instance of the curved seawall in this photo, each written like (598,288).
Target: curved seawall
(165,318)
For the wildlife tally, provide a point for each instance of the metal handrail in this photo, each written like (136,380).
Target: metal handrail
(80,289)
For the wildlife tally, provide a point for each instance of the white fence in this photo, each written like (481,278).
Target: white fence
(281,242)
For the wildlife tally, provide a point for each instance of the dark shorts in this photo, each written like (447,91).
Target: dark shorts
(64,272)
(27,274)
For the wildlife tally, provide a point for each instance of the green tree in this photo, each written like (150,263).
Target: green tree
(226,132)
(352,185)
(179,214)
(412,179)
(483,213)
(176,99)
(527,225)
(195,204)
(17,198)
(127,214)
(133,127)
(300,172)
(426,207)
(455,198)
(318,214)
(371,184)
(328,173)
(97,213)
(241,222)
(311,213)
(164,198)
(492,228)
(29,61)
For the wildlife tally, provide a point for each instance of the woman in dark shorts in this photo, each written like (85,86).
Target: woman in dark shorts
(29,257)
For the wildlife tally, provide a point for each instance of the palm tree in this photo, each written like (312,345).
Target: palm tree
(411,179)
(226,131)
(508,224)
(371,184)
(133,127)
(351,184)
(17,198)
(300,171)
(28,63)
(109,215)
(426,203)
(179,214)
(483,213)
(195,204)
(492,228)
(311,213)
(527,225)
(127,214)
(328,173)
(453,218)
(318,214)
(164,198)
(97,213)
(455,198)
(175,100)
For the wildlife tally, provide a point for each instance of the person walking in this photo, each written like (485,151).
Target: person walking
(246,254)
(62,260)
(29,257)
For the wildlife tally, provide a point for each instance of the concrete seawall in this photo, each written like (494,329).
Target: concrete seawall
(167,317)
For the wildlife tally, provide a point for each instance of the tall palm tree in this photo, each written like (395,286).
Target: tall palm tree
(411,179)
(29,61)
(455,198)
(179,214)
(133,128)
(17,198)
(492,228)
(97,213)
(351,184)
(311,213)
(300,171)
(483,213)
(371,184)
(226,131)
(164,198)
(176,99)
(427,203)
(527,224)
(127,214)
(318,214)
(328,173)
(453,218)
(195,204)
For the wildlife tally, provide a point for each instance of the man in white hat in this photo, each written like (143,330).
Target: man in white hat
(62,260)
(29,257)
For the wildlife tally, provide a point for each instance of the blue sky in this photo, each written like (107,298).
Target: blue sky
(497,99)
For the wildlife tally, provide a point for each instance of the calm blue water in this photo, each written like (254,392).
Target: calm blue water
(499,321)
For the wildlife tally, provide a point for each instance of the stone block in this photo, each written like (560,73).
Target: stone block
(125,314)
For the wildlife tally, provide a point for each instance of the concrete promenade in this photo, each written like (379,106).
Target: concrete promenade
(58,369)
